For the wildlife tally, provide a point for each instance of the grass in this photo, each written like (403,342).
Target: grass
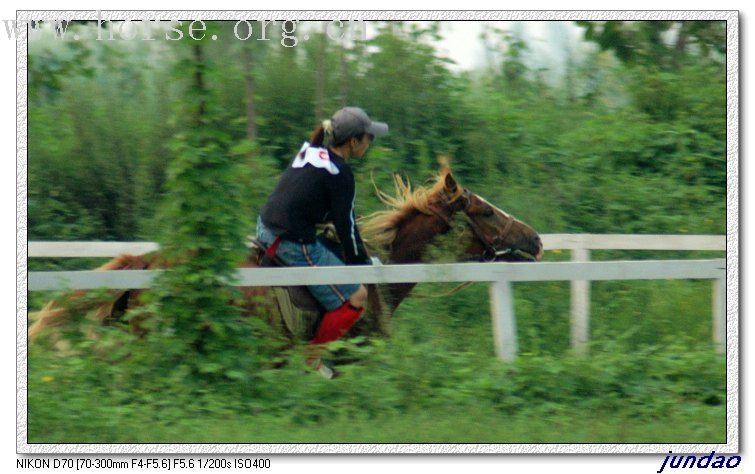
(452,425)
(542,400)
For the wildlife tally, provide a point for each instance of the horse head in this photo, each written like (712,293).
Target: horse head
(496,235)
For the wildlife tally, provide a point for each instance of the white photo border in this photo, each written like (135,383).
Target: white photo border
(732,232)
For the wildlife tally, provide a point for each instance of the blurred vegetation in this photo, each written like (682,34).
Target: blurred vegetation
(181,142)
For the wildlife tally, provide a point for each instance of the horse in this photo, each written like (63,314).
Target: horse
(402,234)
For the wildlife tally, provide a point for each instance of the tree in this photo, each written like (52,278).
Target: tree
(666,45)
(197,330)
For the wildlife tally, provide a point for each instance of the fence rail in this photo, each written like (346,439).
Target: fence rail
(580,271)
(634,242)
(550,241)
(420,273)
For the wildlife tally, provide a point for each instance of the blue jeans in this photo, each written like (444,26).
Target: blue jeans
(297,254)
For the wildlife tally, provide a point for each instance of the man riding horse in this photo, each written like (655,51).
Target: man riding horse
(318,186)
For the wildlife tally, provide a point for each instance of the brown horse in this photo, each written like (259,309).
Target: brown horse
(403,234)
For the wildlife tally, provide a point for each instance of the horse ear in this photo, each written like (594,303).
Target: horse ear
(449,182)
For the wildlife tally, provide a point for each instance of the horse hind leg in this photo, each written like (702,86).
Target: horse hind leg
(107,313)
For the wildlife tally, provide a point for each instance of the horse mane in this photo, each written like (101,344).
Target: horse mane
(380,228)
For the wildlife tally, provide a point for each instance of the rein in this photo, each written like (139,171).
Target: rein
(453,291)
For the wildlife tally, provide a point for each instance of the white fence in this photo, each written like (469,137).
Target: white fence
(580,246)
(501,275)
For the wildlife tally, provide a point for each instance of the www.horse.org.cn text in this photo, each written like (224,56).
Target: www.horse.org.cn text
(287,32)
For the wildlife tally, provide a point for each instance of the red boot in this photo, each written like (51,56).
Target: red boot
(333,326)
(336,323)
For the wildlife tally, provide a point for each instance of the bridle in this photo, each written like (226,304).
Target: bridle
(491,251)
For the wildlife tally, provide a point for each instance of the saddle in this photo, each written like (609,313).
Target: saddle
(300,311)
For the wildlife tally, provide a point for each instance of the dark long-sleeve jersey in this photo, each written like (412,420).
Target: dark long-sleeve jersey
(307,196)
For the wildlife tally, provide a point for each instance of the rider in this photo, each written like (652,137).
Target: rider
(318,187)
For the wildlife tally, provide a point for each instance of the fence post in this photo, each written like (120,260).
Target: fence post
(719,314)
(504,320)
(580,306)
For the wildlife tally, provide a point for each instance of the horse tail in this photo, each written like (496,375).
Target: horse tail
(56,314)
(46,317)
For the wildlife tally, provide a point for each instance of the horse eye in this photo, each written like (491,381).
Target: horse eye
(488,213)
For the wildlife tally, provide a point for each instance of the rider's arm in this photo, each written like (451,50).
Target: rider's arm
(342,196)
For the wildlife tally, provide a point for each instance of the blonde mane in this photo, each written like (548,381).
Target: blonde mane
(379,228)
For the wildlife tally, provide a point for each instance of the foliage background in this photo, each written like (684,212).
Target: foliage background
(126,143)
